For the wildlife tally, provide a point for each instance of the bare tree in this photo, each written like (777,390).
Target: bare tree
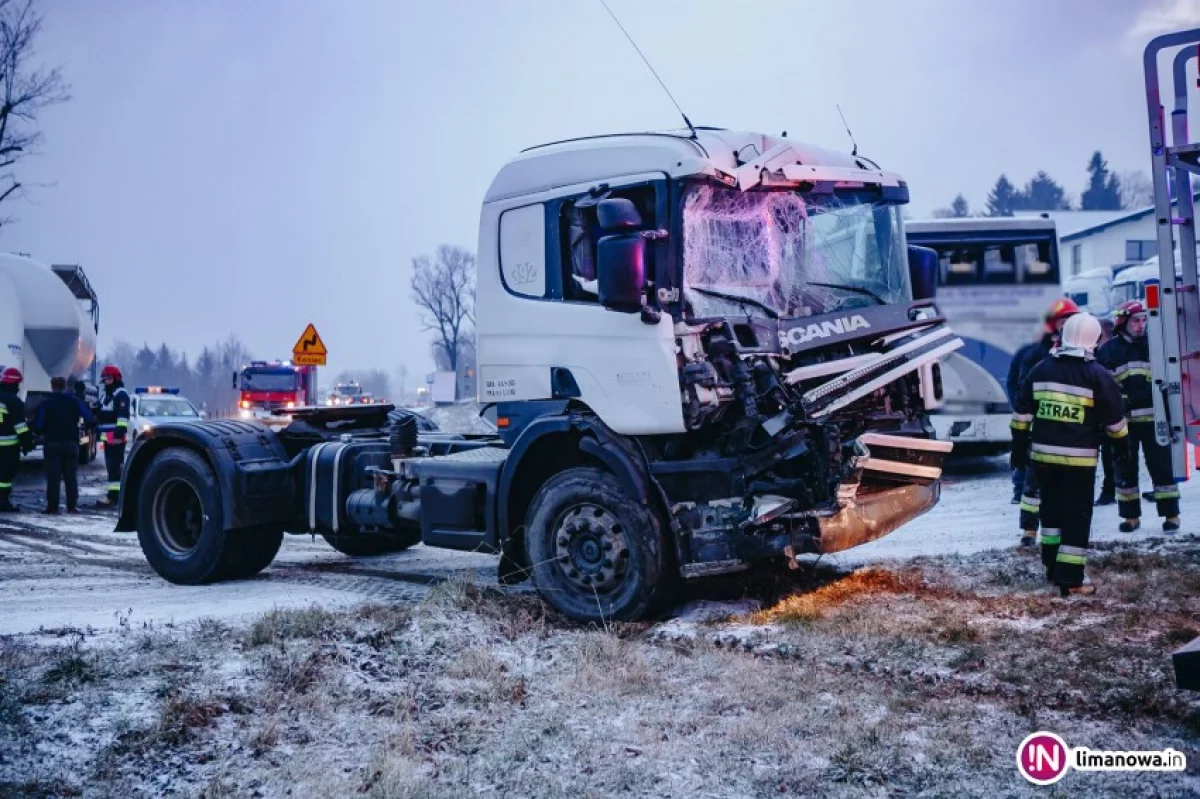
(444,290)
(1137,190)
(26,91)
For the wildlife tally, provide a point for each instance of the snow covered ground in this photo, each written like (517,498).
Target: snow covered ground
(64,572)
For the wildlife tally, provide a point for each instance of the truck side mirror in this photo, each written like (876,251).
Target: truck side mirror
(620,256)
(922,271)
(235,379)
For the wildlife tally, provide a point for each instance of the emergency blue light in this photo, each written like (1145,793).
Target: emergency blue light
(155,390)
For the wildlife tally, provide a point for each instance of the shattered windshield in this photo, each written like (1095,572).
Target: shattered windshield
(790,254)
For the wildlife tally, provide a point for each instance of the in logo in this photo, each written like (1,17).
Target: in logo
(1042,758)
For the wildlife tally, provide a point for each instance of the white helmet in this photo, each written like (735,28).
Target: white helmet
(1080,335)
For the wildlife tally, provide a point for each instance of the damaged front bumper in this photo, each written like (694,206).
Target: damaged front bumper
(892,481)
(889,481)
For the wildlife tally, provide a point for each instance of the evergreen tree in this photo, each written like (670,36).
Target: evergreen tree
(1104,188)
(959,208)
(1001,199)
(1042,193)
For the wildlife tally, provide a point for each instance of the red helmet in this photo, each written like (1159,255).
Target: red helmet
(1126,310)
(1062,308)
(111,371)
(11,376)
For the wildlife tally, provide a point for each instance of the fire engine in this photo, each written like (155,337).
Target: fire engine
(267,390)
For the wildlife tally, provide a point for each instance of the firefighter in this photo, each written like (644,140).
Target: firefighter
(113,426)
(1065,407)
(1025,487)
(1127,356)
(15,437)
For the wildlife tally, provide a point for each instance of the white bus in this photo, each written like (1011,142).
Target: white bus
(998,276)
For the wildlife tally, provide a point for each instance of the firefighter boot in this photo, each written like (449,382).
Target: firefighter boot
(1028,538)
(6,505)
(1171,524)
(1129,525)
(1087,588)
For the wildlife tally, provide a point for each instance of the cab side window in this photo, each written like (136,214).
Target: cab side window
(523,250)
(579,231)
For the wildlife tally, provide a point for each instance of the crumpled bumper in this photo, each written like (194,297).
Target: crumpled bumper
(893,480)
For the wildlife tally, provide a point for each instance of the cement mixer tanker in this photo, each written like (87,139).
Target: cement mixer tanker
(49,318)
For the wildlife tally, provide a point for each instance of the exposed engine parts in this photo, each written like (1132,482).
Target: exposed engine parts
(796,423)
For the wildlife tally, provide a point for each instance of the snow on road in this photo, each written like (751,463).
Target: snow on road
(74,572)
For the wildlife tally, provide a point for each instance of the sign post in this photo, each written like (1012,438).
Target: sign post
(309,350)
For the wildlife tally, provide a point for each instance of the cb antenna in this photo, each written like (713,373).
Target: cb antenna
(853,152)
(686,121)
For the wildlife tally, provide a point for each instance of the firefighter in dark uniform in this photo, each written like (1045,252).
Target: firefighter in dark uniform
(1065,407)
(1025,486)
(15,437)
(113,427)
(1127,356)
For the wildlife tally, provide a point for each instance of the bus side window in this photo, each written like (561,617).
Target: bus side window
(960,266)
(1035,263)
(999,265)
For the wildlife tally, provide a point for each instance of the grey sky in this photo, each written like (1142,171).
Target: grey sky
(249,167)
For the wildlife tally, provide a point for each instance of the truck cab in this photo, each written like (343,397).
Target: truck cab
(703,350)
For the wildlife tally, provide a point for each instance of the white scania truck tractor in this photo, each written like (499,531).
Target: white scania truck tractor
(703,350)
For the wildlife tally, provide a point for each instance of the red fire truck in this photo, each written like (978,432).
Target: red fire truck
(267,390)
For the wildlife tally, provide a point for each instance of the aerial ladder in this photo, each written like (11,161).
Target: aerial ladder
(1173,305)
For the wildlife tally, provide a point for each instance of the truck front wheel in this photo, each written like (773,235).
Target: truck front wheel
(597,554)
(179,521)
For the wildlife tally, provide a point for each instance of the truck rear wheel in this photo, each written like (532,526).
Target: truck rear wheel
(597,554)
(365,544)
(256,548)
(179,520)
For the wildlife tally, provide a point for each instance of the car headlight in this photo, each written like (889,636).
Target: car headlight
(146,426)
(245,414)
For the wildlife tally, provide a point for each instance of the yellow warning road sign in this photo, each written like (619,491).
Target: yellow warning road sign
(309,350)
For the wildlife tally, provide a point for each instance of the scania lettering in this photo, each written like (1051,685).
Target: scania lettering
(701,350)
(797,336)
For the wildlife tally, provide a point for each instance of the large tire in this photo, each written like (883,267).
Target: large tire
(366,545)
(256,547)
(180,520)
(598,555)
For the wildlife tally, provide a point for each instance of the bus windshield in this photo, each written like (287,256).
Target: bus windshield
(788,253)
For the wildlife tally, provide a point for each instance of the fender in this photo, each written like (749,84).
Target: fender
(255,475)
(596,440)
